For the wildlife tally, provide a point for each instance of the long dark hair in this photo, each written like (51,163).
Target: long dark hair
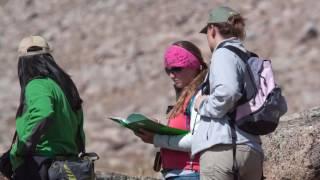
(188,91)
(40,66)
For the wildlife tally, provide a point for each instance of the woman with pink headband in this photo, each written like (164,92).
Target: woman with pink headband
(185,66)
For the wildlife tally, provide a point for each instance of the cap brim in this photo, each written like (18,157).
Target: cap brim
(31,53)
(204,30)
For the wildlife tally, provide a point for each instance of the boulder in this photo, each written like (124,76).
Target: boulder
(116,176)
(293,150)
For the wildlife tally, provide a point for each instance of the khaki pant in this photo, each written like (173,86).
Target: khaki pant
(216,163)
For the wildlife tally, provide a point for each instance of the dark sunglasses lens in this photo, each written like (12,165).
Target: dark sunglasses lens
(173,70)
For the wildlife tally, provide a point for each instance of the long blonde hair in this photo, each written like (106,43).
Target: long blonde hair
(191,88)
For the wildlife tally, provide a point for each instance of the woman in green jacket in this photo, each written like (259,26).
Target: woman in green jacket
(49,119)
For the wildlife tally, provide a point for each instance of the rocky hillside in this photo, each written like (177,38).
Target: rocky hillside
(113,50)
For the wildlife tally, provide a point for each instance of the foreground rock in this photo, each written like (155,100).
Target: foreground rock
(110,176)
(293,151)
(115,176)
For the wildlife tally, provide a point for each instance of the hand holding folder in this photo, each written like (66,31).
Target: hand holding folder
(136,121)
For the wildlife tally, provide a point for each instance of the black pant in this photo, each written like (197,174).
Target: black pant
(34,167)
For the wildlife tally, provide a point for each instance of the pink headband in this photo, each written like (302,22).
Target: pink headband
(176,56)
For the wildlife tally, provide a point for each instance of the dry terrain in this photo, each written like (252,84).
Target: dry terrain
(113,50)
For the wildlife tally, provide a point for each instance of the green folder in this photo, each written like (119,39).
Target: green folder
(136,121)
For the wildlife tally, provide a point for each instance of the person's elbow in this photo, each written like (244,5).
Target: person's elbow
(221,101)
(231,95)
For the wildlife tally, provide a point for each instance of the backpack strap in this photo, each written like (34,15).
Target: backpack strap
(187,111)
(80,144)
(205,87)
(14,138)
(235,167)
(244,56)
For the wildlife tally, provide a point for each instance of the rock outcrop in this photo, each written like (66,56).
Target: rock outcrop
(292,152)
(115,176)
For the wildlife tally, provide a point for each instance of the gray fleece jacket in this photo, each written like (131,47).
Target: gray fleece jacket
(227,72)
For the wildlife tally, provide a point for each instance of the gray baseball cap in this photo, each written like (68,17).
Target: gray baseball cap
(220,14)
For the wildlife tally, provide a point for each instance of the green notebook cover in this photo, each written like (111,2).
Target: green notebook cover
(136,121)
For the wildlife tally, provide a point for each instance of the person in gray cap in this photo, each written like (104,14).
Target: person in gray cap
(226,152)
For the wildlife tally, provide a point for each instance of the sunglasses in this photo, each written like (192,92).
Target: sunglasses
(173,70)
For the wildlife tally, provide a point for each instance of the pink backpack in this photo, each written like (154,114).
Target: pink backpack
(261,106)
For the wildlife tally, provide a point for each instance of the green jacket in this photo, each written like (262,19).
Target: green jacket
(48,118)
